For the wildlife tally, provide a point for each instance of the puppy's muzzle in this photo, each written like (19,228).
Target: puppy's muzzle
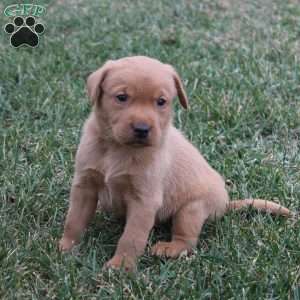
(141,130)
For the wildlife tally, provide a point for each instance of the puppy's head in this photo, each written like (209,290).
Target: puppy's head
(133,98)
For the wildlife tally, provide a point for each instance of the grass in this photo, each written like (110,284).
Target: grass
(240,64)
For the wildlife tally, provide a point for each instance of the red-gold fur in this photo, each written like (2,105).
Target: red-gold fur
(163,177)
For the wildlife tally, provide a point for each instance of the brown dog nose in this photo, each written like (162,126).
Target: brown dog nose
(141,130)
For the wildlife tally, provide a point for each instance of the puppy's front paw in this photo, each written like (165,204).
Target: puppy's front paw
(65,244)
(171,249)
(124,262)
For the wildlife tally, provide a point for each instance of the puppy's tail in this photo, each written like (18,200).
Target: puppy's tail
(262,205)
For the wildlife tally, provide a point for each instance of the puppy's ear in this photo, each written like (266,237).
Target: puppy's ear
(180,91)
(95,80)
(179,88)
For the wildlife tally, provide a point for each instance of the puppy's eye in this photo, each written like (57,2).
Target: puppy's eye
(161,102)
(122,97)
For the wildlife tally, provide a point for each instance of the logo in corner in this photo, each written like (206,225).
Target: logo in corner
(24,30)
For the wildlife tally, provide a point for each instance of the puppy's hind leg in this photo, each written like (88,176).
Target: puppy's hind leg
(187,224)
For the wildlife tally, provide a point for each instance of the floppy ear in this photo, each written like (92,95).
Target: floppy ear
(94,82)
(179,88)
(180,91)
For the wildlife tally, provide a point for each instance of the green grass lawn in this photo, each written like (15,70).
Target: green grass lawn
(239,61)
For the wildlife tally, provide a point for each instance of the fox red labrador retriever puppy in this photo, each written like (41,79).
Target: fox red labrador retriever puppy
(135,163)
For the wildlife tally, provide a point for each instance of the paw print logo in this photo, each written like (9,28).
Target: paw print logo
(24,33)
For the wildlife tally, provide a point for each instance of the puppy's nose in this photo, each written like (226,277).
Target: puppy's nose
(141,130)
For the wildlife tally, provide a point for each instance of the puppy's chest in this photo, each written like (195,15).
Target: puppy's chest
(111,197)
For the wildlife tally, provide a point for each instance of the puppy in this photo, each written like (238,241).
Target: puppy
(136,164)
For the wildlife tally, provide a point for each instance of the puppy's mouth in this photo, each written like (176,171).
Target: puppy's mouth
(138,143)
